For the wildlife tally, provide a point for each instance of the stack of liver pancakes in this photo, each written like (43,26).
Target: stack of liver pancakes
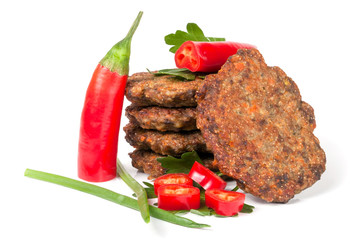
(162,121)
(251,116)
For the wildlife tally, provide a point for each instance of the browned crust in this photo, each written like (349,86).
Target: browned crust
(165,143)
(144,89)
(146,161)
(259,129)
(163,119)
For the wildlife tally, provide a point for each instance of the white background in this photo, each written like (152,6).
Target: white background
(49,50)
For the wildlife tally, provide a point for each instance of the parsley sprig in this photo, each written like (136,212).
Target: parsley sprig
(194,33)
(175,40)
(179,73)
(180,165)
(183,165)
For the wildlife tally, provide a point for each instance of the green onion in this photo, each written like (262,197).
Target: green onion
(111,196)
(138,189)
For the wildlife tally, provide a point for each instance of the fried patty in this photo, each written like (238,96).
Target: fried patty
(165,143)
(162,119)
(259,129)
(144,89)
(146,161)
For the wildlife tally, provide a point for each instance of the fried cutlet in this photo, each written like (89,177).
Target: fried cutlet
(145,89)
(165,143)
(162,119)
(146,161)
(259,129)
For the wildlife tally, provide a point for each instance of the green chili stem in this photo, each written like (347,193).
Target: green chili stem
(111,196)
(117,58)
(138,189)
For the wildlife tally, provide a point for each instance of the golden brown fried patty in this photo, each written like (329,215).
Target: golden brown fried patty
(259,129)
(144,89)
(146,161)
(162,119)
(165,143)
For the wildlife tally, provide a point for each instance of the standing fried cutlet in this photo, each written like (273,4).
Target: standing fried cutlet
(162,119)
(259,129)
(144,89)
(146,161)
(165,143)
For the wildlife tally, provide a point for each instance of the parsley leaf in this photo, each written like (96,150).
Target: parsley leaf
(247,208)
(202,211)
(182,73)
(206,211)
(194,33)
(178,72)
(180,165)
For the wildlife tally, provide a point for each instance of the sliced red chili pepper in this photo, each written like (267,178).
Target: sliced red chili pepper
(205,177)
(172,178)
(100,119)
(206,56)
(226,203)
(178,197)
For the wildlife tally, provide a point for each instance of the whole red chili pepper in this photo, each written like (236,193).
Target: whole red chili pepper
(101,114)
(206,56)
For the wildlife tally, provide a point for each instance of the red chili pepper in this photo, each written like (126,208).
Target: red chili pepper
(206,56)
(178,197)
(100,119)
(205,177)
(226,203)
(172,178)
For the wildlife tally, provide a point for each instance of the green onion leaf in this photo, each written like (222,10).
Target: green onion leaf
(137,188)
(111,196)
(150,191)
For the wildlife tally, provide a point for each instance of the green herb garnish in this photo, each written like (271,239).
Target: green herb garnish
(150,192)
(112,196)
(179,165)
(180,73)
(140,192)
(194,33)
(247,208)
(203,210)
(183,165)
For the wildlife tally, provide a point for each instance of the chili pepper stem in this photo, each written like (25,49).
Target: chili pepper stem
(117,58)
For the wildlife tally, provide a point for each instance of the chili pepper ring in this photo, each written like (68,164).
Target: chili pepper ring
(206,56)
